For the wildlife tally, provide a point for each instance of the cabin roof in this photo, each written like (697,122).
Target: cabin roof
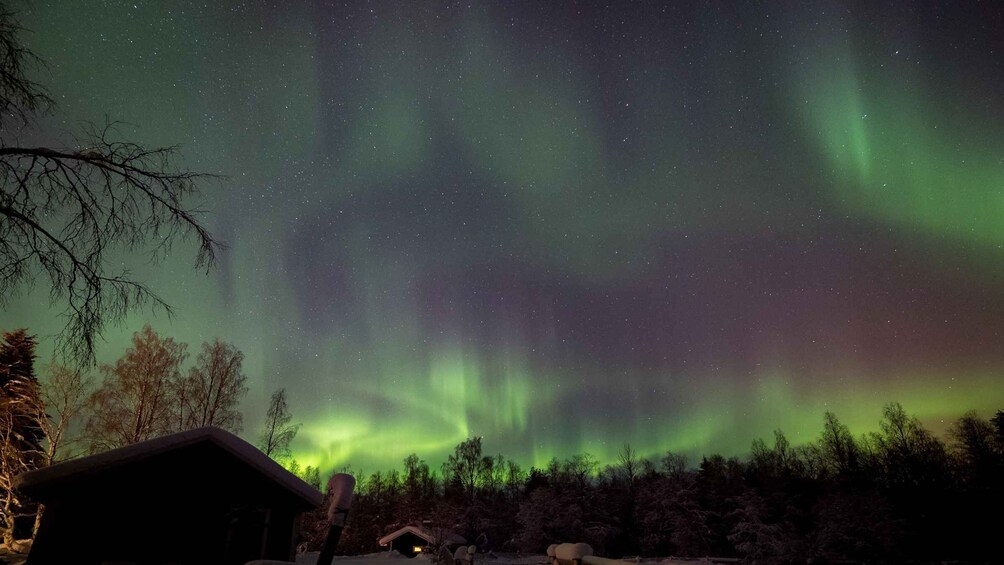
(447,537)
(40,479)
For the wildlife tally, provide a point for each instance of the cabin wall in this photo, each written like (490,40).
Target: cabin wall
(406,542)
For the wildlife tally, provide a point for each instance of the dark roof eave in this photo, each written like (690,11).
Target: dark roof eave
(33,481)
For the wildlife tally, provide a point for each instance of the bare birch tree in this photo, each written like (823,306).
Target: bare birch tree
(64,397)
(136,401)
(210,395)
(278,432)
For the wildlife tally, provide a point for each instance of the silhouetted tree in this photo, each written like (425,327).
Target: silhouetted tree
(65,207)
(136,400)
(514,481)
(210,395)
(418,489)
(278,432)
(913,466)
(998,422)
(312,476)
(627,460)
(974,443)
(492,474)
(910,454)
(465,466)
(674,464)
(839,452)
(979,493)
(778,463)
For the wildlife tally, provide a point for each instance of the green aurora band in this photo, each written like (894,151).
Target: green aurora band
(908,154)
(382,167)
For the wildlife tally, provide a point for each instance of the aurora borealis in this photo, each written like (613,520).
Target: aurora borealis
(566,226)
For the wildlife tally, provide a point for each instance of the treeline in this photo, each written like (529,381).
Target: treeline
(145,394)
(899,493)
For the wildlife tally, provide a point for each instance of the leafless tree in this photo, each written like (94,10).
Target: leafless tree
(136,400)
(674,464)
(64,396)
(580,468)
(64,209)
(214,387)
(465,466)
(278,433)
(840,452)
(629,465)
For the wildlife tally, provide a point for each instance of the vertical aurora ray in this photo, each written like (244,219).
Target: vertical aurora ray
(906,152)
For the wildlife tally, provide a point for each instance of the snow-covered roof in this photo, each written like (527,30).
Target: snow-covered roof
(446,537)
(244,451)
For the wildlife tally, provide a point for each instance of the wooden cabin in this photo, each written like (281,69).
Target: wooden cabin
(412,540)
(194,497)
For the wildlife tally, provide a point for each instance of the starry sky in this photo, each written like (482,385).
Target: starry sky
(566,226)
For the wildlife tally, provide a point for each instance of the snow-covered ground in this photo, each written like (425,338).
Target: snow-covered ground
(310,558)
(395,558)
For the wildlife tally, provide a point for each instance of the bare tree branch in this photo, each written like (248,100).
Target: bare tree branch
(64,212)
(20,97)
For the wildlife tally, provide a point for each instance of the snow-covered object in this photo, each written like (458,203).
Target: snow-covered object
(341,486)
(572,551)
(310,558)
(550,549)
(20,545)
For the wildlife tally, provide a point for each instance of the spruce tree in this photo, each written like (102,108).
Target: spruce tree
(21,412)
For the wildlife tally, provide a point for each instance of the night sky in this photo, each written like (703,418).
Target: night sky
(566,226)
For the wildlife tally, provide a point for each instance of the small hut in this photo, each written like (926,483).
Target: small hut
(412,540)
(199,496)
